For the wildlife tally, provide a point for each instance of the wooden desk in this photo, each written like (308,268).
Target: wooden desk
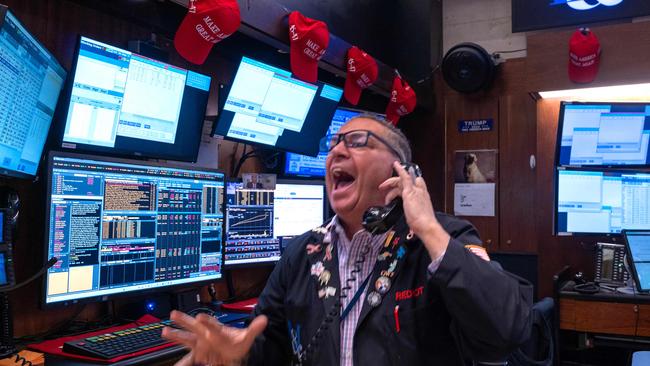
(605,313)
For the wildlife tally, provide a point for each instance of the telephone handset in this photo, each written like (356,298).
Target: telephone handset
(380,219)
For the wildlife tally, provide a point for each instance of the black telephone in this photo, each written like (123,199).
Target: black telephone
(379,219)
(610,265)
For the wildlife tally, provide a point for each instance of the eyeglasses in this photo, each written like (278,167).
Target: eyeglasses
(353,139)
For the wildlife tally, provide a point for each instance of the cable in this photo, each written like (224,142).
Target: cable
(336,308)
(511,51)
(47,266)
(20,360)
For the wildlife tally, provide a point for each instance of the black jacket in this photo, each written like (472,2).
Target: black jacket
(469,309)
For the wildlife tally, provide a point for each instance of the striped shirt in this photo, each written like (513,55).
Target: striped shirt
(348,253)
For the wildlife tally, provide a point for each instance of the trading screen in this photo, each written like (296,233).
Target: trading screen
(604,134)
(119,227)
(602,202)
(249,226)
(639,247)
(30,83)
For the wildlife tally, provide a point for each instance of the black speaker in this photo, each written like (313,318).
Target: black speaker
(468,68)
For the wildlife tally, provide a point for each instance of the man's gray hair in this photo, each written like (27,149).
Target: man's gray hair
(395,137)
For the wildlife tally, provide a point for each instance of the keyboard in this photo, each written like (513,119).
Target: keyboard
(119,343)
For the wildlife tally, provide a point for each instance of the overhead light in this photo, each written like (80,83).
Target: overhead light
(630,92)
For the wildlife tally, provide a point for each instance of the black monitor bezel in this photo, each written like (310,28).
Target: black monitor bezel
(48,202)
(287,175)
(560,126)
(224,92)
(13,173)
(631,264)
(64,105)
(556,199)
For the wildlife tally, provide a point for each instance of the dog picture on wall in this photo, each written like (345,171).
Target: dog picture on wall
(475,166)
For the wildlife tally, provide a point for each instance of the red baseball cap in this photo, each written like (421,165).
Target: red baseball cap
(212,21)
(362,72)
(309,40)
(584,56)
(402,100)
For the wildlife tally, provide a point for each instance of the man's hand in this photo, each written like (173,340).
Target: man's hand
(418,210)
(210,342)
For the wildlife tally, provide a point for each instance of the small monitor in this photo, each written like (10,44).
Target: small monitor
(306,166)
(605,134)
(601,202)
(638,248)
(250,237)
(267,106)
(30,83)
(4,277)
(299,206)
(121,227)
(122,103)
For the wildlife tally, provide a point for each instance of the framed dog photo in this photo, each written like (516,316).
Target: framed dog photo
(475,166)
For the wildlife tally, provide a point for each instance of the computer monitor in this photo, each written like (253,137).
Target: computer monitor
(638,248)
(122,103)
(606,134)
(267,106)
(119,227)
(601,202)
(298,206)
(306,166)
(249,235)
(30,83)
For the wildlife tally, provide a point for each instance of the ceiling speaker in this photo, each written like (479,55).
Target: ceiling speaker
(468,68)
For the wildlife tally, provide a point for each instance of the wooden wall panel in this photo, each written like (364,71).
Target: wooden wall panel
(624,57)
(458,107)
(517,143)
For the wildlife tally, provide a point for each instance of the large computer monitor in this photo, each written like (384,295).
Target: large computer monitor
(267,106)
(314,167)
(30,83)
(120,226)
(601,202)
(122,103)
(606,134)
(299,206)
(250,237)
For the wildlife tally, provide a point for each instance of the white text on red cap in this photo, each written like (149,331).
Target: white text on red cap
(217,36)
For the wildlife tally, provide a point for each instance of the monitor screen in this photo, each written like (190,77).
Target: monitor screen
(250,236)
(123,103)
(601,202)
(267,106)
(307,166)
(638,247)
(298,207)
(119,226)
(30,83)
(605,134)
(4,278)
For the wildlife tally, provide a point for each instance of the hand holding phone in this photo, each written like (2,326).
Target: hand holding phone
(379,219)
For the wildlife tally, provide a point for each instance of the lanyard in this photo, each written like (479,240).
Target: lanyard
(355,298)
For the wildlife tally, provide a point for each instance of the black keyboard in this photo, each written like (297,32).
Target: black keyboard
(119,343)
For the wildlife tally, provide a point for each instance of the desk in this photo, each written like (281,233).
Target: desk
(604,312)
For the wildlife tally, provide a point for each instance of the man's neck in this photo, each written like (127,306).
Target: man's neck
(350,229)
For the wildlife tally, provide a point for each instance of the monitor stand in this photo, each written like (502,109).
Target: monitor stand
(158,304)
